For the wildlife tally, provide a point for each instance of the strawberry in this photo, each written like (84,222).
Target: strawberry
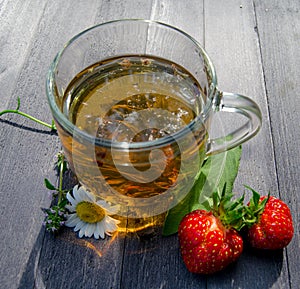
(206,245)
(273,225)
(208,241)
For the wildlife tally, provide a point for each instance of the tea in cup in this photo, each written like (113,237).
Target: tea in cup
(133,101)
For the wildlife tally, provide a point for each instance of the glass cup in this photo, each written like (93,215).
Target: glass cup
(133,101)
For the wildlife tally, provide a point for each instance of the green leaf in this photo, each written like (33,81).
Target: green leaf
(63,203)
(255,208)
(254,201)
(49,186)
(216,171)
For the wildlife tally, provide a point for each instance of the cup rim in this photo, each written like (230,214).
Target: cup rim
(72,129)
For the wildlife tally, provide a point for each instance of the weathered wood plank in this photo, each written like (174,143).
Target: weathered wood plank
(232,42)
(37,266)
(279,32)
(22,165)
(187,16)
(156,263)
(26,155)
(66,261)
(19,20)
(250,58)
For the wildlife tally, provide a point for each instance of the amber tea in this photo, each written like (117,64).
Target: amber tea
(133,99)
(134,126)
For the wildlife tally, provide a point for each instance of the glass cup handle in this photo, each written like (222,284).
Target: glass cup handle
(236,103)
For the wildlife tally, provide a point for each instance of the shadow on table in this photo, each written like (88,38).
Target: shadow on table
(46,131)
(65,261)
(256,269)
(135,261)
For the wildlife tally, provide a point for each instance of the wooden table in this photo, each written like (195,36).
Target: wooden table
(255,48)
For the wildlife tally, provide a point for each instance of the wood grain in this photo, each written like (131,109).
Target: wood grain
(162,254)
(279,31)
(255,48)
(232,41)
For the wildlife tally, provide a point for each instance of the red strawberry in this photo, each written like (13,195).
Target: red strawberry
(206,245)
(273,228)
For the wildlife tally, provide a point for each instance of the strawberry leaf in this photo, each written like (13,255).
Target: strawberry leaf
(254,201)
(255,208)
(216,172)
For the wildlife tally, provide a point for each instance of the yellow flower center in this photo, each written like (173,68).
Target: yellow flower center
(89,212)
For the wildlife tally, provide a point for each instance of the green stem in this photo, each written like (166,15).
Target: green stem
(51,126)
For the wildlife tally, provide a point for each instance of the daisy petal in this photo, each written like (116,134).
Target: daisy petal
(81,233)
(72,220)
(110,209)
(85,196)
(111,224)
(112,220)
(102,204)
(106,226)
(96,232)
(79,226)
(71,200)
(76,194)
(89,230)
(83,230)
(101,229)
(90,197)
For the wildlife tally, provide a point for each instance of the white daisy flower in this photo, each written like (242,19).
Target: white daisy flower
(88,216)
